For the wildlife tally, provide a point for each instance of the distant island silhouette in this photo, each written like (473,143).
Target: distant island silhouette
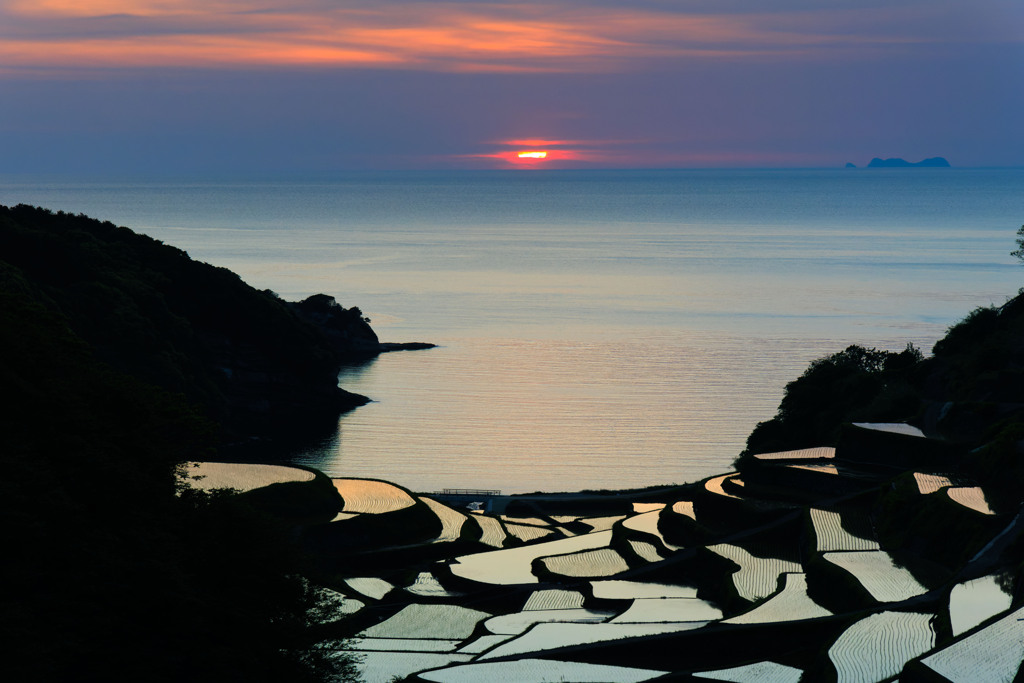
(896,162)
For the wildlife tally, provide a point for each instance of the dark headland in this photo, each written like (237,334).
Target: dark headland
(885,492)
(250,361)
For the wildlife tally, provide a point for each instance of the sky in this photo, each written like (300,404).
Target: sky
(277,88)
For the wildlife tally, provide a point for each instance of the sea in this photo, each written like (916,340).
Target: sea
(594,329)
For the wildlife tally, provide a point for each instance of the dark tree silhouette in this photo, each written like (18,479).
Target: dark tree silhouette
(1019,251)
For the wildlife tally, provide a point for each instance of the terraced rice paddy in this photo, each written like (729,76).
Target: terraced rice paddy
(451,520)
(518,622)
(370,586)
(554,598)
(528,521)
(826,468)
(891,428)
(647,523)
(617,589)
(685,508)
(436,634)
(601,523)
(661,610)
(879,646)
(831,536)
(207,476)
(551,636)
(930,483)
(970,497)
(427,630)
(493,533)
(759,672)
(586,563)
(758,576)
(972,602)
(342,604)
(790,604)
(386,667)
(714,485)
(540,671)
(526,532)
(445,622)
(483,644)
(878,574)
(645,551)
(372,497)
(990,655)
(821,453)
(402,645)
(427,585)
(513,565)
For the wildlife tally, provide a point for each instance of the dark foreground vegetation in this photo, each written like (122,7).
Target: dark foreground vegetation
(120,359)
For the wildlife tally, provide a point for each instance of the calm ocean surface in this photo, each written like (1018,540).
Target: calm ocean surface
(596,329)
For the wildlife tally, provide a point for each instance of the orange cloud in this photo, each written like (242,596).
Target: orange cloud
(541,36)
(205,50)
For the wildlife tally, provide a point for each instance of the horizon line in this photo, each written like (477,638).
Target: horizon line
(842,167)
(128,175)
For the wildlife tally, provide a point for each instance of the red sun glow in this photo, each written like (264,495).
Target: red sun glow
(534,153)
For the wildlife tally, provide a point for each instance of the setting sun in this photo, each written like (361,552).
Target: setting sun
(533,155)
